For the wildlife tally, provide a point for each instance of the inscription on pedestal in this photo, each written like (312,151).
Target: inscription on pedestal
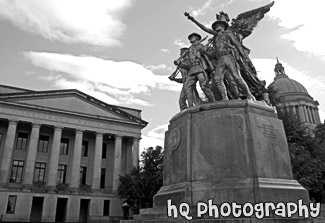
(268,131)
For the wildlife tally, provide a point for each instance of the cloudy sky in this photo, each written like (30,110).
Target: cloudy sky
(122,51)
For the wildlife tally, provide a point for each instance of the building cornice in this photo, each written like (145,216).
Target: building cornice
(111,108)
(22,106)
(16,88)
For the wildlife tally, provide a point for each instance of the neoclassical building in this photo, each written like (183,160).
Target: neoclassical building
(61,154)
(294,96)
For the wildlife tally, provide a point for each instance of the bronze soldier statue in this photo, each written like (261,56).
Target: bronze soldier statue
(198,67)
(224,43)
(184,72)
(231,41)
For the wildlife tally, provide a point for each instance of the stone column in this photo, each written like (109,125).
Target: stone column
(54,157)
(129,156)
(308,114)
(317,116)
(297,112)
(305,112)
(117,162)
(76,159)
(311,115)
(302,114)
(7,153)
(97,161)
(31,154)
(312,112)
(135,152)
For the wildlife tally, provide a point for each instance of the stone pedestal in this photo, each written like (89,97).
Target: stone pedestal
(229,151)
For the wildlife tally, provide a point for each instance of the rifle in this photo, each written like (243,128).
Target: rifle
(175,73)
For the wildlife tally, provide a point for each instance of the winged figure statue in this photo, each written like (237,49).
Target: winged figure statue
(230,55)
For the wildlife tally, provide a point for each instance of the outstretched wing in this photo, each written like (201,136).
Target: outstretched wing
(247,21)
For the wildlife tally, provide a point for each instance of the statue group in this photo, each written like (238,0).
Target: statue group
(222,66)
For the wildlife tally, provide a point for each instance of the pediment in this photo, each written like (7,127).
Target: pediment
(4,89)
(71,103)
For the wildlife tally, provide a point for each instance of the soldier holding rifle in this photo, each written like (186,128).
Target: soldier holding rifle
(198,68)
(232,55)
(225,43)
(182,97)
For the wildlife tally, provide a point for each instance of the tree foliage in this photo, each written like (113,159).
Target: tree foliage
(272,91)
(142,183)
(306,148)
(320,135)
(307,154)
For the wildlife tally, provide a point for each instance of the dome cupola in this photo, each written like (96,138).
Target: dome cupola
(290,94)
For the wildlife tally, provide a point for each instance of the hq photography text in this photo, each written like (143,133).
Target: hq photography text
(258,210)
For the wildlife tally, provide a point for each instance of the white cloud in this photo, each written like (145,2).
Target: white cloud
(95,23)
(228,2)
(85,87)
(155,137)
(118,82)
(180,43)
(265,69)
(165,50)
(209,5)
(105,93)
(303,18)
(147,142)
(257,0)
(158,67)
(158,132)
(203,9)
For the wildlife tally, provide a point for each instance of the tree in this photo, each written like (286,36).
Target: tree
(142,183)
(272,91)
(320,136)
(306,150)
(129,188)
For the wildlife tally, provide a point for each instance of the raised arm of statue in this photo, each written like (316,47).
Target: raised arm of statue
(200,25)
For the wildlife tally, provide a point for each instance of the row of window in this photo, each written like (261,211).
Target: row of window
(12,200)
(40,171)
(43,145)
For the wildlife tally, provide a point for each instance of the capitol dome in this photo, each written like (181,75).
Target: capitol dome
(287,86)
(292,95)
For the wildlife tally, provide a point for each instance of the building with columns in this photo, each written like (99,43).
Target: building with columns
(61,154)
(291,95)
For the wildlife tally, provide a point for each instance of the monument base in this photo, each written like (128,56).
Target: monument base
(227,151)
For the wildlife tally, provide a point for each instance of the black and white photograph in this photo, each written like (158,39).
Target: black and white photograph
(139,111)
